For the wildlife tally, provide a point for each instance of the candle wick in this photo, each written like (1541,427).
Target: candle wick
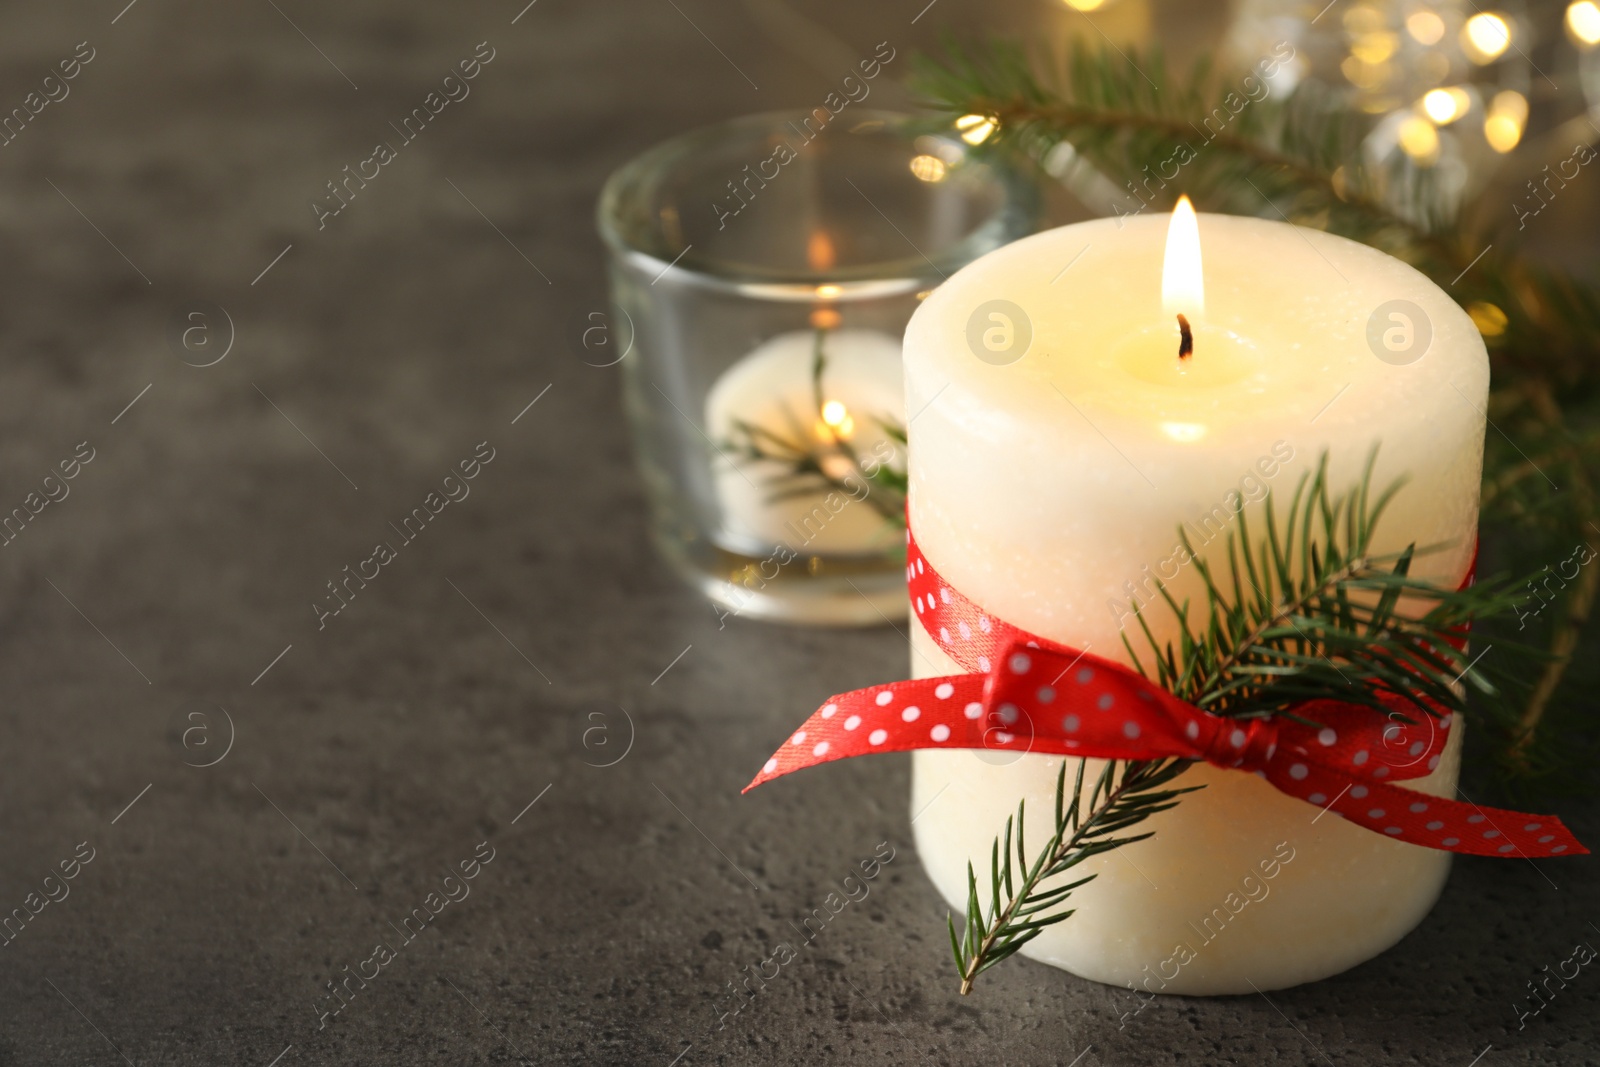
(1185,338)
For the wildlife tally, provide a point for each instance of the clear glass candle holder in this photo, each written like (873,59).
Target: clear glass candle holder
(762,274)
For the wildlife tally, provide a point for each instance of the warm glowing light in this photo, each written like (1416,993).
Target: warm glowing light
(1363,18)
(1420,140)
(1425,27)
(975,129)
(825,319)
(1444,106)
(1502,132)
(836,420)
(1485,36)
(1508,113)
(839,467)
(819,250)
(1512,104)
(1364,75)
(1086,5)
(1374,47)
(1583,21)
(1487,317)
(928,168)
(1183,288)
(1183,431)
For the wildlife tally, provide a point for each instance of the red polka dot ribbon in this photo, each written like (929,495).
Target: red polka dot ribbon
(1028,694)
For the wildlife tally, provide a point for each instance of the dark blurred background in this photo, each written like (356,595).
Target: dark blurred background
(266,794)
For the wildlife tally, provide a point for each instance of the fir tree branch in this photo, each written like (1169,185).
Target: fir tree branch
(1302,149)
(1280,168)
(1312,612)
(1125,793)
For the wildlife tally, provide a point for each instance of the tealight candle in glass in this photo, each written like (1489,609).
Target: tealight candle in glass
(763,272)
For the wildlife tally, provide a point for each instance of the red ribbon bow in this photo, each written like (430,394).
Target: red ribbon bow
(1034,695)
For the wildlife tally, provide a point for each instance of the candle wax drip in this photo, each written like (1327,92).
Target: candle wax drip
(1185,338)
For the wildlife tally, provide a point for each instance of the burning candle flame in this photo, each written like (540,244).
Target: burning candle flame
(1183,290)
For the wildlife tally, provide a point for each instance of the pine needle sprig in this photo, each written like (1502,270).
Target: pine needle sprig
(1310,611)
(1020,906)
(1131,118)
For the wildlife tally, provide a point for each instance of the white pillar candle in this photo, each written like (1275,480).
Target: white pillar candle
(771,389)
(1049,490)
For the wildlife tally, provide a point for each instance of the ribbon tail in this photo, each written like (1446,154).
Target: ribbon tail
(1426,820)
(879,718)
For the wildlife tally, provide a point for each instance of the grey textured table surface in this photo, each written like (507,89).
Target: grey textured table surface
(163,609)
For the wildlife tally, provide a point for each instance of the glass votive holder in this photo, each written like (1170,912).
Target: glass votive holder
(763,271)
